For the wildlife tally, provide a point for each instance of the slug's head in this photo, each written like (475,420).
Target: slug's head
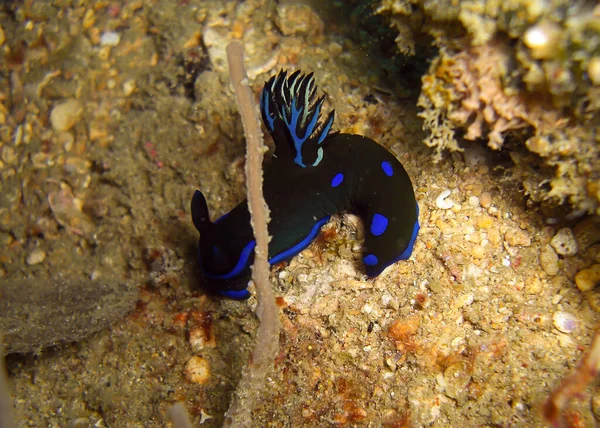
(220,262)
(291,114)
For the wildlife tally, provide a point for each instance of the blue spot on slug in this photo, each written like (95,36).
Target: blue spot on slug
(337,180)
(378,224)
(370,260)
(387,168)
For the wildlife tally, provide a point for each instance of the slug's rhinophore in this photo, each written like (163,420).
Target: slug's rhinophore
(313,174)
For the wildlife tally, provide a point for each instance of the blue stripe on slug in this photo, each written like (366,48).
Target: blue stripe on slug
(284,255)
(240,265)
(409,249)
(235,294)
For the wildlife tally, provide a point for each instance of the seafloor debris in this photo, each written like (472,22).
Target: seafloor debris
(63,310)
(197,370)
(517,70)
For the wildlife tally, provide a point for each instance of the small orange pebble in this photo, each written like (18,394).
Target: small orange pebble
(200,327)
(238,30)
(402,329)
(180,319)
(485,221)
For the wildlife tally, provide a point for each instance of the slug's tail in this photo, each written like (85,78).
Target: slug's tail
(291,114)
(200,215)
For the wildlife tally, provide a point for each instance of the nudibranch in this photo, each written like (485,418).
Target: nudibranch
(314,174)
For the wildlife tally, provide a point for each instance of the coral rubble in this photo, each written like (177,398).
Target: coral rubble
(523,70)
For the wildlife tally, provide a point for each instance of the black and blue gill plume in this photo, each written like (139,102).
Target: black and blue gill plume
(314,174)
(288,107)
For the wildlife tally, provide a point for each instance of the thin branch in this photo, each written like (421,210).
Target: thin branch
(267,335)
(574,384)
(6,419)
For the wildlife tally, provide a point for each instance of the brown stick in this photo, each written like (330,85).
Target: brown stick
(6,420)
(571,386)
(267,335)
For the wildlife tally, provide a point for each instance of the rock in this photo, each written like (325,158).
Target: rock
(40,312)
(564,322)
(478,252)
(517,237)
(110,38)
(549,260)
(37,256)
(456,378)
(65,115)
(564,242)
(8,154)
(215,43)
(533,285)
(298,19)
(197,370)
(587,232)
(485,221)
(587,279)
(485,199)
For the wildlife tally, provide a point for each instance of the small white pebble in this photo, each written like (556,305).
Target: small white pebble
(543,40)
(506,261)
(564,322)
(65,115)
(128,87)
(564,242)
(110,38)
(536,37)
(442,202)
(36,256)
(473,201)
(367,308)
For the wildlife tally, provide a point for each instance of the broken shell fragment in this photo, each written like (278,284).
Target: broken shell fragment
(564,322)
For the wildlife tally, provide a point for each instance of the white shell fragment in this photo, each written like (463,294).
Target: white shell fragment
(110,38)
(565,322)
(442,201)
(564,242)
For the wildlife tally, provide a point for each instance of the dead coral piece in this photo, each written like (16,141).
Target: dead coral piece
(468,88)
(528,69)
